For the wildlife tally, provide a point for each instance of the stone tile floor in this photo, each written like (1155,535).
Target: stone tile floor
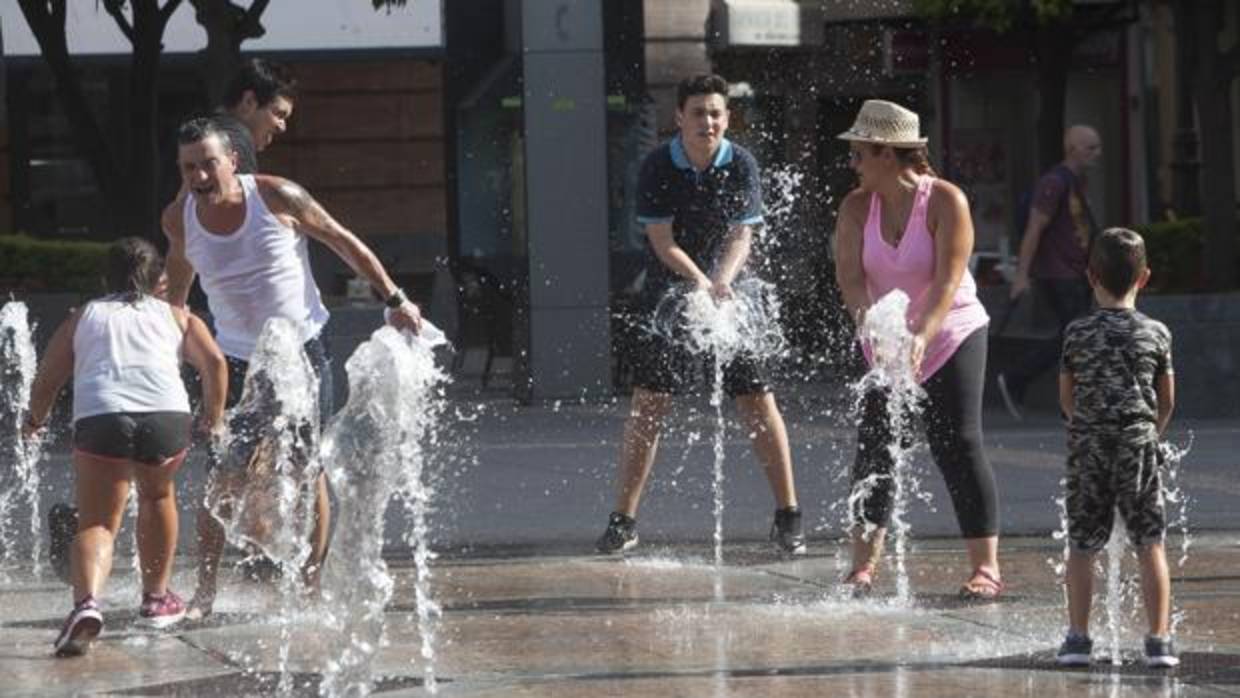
(661,622)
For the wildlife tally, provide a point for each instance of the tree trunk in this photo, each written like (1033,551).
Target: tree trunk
(1053,48)
(1217,164)
(222,54)
(48,26)
(142,214)
(1185,167)
(227,26)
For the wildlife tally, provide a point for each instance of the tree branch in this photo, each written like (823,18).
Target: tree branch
(251,25)
(256,11)
(166,11)
(114,8)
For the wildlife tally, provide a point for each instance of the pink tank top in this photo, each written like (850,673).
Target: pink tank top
(909,266)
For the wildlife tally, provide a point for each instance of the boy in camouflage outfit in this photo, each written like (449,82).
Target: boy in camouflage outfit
(1116,387)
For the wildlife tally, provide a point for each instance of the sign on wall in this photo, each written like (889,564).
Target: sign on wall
(764,23)
(292,25)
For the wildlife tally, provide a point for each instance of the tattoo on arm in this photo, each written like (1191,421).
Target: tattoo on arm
(302,206)
(294,197)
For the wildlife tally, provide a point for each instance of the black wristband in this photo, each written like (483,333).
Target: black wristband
(396,300)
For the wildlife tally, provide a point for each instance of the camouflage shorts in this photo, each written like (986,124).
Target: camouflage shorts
(1109,473)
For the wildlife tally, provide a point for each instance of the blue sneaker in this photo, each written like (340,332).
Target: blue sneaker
(1160,652)
(621,534)
(1076,650)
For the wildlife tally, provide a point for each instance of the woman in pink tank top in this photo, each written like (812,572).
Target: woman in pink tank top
(904,229)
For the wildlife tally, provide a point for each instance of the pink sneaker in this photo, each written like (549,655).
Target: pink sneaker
(161,611)
(83,625)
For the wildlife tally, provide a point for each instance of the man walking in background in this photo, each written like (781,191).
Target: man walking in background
(1054,252)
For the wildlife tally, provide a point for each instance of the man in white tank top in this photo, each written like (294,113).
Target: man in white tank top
(245,238)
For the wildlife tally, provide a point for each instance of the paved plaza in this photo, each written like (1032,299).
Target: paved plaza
(662,622)
(528,611)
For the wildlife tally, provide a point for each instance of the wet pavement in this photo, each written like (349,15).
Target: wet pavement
(659,622)
(527,611)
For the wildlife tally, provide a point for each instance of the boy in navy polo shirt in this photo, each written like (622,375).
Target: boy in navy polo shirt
(699,195)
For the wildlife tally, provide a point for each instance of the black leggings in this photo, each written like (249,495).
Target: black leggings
(952,411)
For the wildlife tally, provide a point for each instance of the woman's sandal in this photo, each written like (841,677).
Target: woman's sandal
(982,586)
(861,579)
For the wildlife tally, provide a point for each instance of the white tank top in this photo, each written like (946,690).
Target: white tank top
(127,358)
(257,272)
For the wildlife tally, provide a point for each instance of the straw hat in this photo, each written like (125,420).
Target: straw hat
(885,123)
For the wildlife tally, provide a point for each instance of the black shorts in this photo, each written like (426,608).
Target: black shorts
(664,366)
(320,361)
(252,432)
(146,437)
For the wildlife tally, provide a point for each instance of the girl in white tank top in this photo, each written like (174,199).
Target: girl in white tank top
(131,423)
(127,358)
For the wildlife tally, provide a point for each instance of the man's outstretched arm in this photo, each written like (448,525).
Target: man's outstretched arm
(286,197)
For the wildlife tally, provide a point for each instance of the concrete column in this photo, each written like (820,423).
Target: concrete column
(566,327)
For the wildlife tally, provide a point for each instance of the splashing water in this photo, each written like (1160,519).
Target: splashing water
(1174,495)
(1116,587)
(19,458)
(273,440)
(373,450)
(885,333)
(747,323)
(1114,594)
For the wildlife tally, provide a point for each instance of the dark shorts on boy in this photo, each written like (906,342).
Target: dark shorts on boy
(1110,471)
(664,366)
(152,438)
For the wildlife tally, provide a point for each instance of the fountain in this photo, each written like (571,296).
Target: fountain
(375,449)
(19,483)
(1116,588)
(885,334)
(275,442)
(721,330)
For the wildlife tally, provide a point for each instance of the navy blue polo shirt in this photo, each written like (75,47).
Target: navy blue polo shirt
(701,206)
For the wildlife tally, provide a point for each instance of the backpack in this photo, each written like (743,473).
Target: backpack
(1024,204)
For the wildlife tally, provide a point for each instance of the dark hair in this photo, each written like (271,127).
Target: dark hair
(265,79)
(134,267)
(1117,260)
(917,157)
(704,84)
(201,127)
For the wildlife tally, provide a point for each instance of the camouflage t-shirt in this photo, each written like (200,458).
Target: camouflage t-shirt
(1115,357)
